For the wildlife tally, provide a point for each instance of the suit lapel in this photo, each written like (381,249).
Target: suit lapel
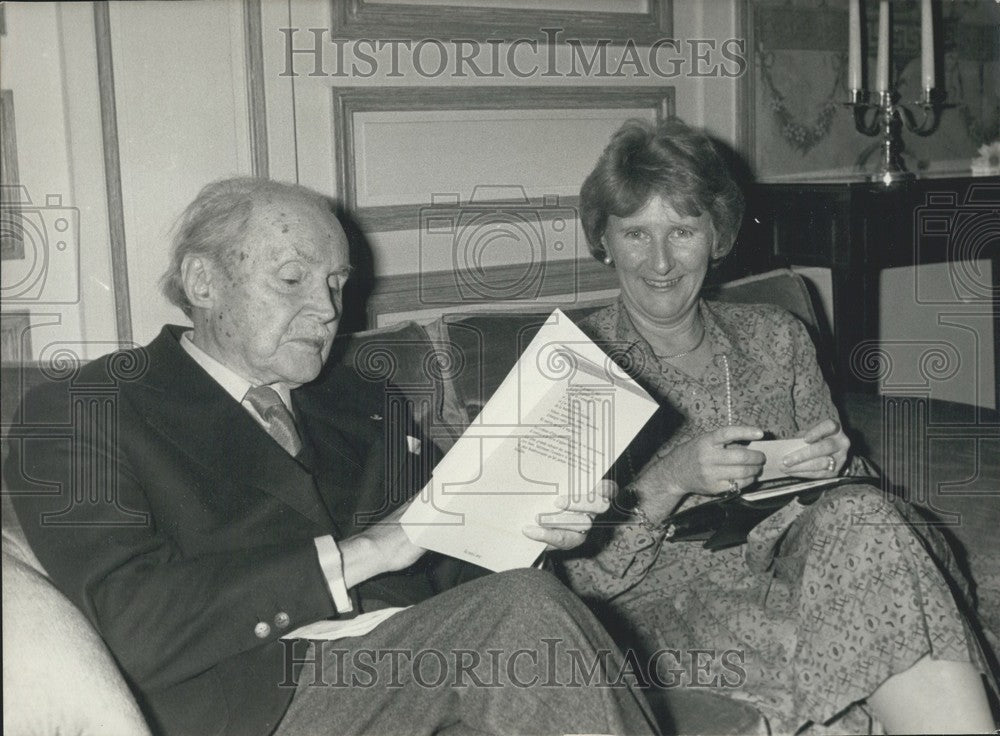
(363,462)
(197,415)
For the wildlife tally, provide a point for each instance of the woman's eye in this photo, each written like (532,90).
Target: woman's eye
(682,232)
(291,281)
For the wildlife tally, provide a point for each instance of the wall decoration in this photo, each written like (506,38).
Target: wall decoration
(799,128)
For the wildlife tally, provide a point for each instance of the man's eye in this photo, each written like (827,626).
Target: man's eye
(292,281)
(682,232)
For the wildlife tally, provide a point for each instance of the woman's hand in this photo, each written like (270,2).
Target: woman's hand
(567,525)
(825,454)
(708,465)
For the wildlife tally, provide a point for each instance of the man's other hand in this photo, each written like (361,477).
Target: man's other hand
(382,547)
(567,525)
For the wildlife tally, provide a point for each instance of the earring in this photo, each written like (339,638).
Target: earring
(607,260)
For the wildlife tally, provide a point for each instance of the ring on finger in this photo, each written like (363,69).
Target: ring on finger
(734,488)
(830,463)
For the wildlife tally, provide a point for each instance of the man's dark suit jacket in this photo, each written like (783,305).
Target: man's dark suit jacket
(178,525)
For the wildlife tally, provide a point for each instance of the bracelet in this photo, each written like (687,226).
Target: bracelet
(630,498)
(646,523)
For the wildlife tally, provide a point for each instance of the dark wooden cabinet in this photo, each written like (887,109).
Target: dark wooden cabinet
(857,229)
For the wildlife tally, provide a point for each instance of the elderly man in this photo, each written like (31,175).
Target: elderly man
(224,516)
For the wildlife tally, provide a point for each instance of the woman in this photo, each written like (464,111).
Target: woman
(829,614)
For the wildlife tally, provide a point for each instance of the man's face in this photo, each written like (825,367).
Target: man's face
(276,304)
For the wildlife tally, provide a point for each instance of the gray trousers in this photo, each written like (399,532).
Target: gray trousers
(510,653)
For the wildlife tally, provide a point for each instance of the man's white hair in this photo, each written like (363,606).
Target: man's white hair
(217,220)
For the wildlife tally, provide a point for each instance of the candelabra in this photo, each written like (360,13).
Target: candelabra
(889,115)
(888,118)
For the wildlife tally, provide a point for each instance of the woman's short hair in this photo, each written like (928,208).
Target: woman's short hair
(671,159)
(217,221)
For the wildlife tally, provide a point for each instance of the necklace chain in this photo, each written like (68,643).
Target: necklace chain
(697,345)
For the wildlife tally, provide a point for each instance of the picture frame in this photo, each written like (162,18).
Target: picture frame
(498,21)
(499,107)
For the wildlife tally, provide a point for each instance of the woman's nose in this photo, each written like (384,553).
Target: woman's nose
(661,259)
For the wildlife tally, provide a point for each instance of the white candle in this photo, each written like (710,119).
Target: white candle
(882,78)
(854,46)
(927,44)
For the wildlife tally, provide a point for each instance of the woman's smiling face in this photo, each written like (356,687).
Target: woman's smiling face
(662,258)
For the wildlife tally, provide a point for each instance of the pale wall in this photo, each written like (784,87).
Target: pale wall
(182,115)
(49,63)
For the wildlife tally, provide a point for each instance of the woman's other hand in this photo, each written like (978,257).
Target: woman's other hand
(825,454)
(708,465)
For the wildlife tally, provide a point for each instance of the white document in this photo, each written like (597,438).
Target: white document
(551,431)
(331,630)
(775,451)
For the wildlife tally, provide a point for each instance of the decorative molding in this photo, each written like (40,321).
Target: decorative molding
(11,242)
(112,171)
(349,101)
(256,98)
(404,294)
(415,20)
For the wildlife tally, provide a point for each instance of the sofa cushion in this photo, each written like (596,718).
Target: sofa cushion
(491,341)
(58,676)
(405,356)
(782,287)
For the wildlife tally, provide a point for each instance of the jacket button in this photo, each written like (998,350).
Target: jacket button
(282,620)
(261,630)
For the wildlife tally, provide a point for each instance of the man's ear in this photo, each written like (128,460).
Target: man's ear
(196,275)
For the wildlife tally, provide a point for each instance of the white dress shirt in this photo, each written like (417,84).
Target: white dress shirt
(327,551)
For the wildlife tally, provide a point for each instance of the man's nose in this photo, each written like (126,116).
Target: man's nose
(326,303)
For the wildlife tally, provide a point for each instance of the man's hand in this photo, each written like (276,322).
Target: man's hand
(567,526)
(382,547)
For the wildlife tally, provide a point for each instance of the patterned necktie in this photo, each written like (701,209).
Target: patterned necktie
(280,424)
